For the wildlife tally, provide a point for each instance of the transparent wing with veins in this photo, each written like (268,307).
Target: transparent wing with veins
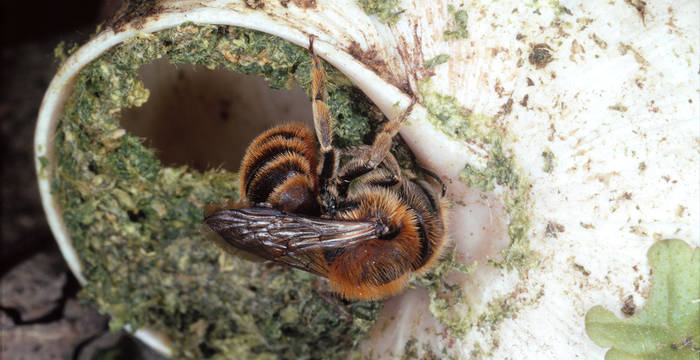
(295,240)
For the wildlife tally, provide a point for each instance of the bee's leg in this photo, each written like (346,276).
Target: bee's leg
(391,164)
(436,178)
(338,303)
(358,167)
(366,158)
(382,142)
(324,131)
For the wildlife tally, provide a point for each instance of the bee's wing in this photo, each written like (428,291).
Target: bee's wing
(296,240)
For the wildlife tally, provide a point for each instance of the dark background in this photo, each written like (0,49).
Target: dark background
(40,314)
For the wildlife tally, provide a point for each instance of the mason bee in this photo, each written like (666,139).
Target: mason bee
(364,226)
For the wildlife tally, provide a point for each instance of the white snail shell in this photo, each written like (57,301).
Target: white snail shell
(622,90)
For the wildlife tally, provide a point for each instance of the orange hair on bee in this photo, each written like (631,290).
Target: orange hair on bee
(283,171)
(288,138)
(379,267)
(352,291)
(364,227)
(295,194)
(281,159)
(291,131)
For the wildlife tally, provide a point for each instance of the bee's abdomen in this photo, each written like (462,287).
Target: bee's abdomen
(279,169)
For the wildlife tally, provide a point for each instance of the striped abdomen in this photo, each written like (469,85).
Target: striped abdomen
(279,168)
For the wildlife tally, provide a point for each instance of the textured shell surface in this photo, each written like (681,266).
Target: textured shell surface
(598,105)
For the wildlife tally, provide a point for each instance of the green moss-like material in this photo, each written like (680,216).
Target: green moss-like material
(549,161)
(440,59)
(412,351)
(43,164)
(455,121)
(500,171)
(134,222)
(448,303)
(387,11)
(551,4)
(458,28)
(669,325)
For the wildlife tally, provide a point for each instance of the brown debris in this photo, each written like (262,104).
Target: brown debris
(305,4)
(255,4)
(624,48)
(618,107)
(540,55)
(553,229)
(523,102)
(582,269)
(628,308)
(600,42)
(587,226)
(367,57)
(507,107)
(576,48)
(640,6)
(370,57)
(133,12)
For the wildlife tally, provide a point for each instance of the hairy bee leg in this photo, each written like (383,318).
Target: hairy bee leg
(322,117)
(436,178)
(324,131)
(337,302)
(392,165)
(382,143)
(358,167)
(368,158)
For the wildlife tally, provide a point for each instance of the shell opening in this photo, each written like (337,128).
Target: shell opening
(206,118)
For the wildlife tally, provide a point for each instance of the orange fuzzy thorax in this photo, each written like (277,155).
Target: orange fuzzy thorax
(377,268)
